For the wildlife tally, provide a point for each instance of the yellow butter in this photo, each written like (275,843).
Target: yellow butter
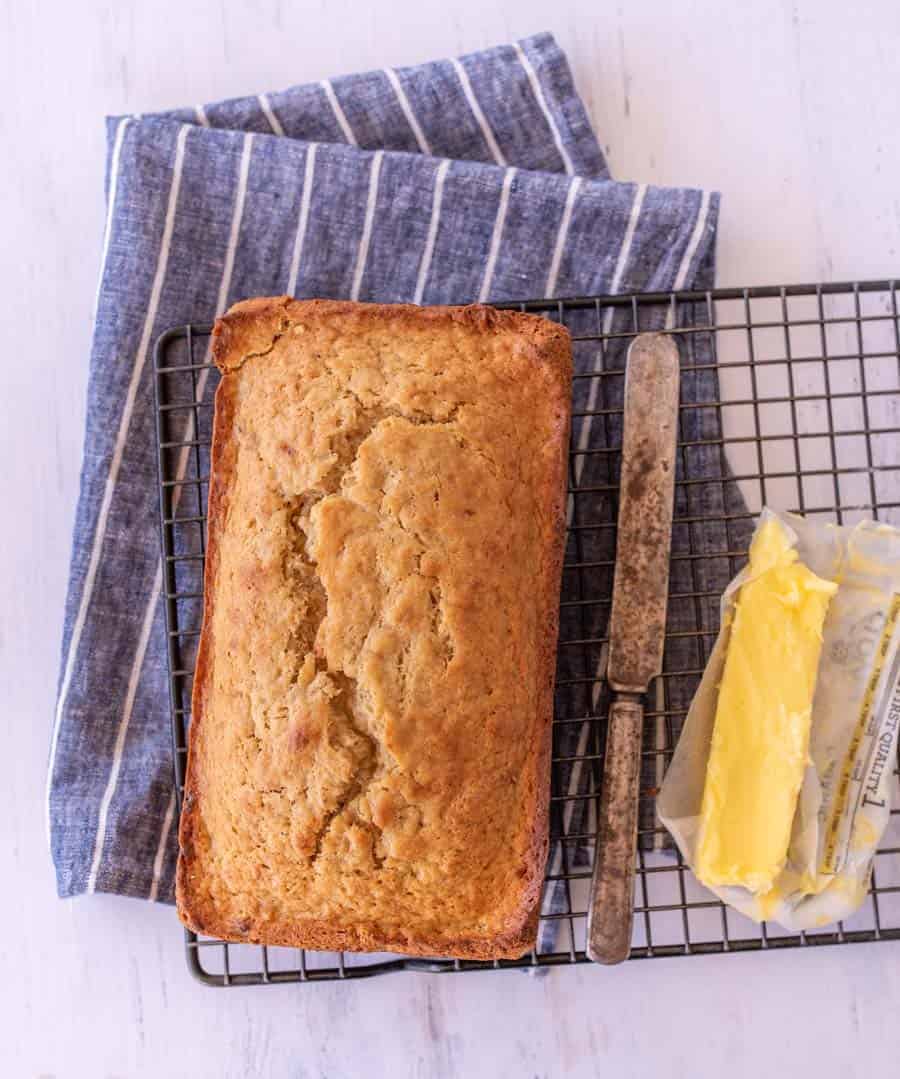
(760,742)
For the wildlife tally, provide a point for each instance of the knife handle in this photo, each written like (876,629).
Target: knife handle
(610,911)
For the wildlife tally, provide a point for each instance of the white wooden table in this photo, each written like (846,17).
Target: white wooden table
(790,109)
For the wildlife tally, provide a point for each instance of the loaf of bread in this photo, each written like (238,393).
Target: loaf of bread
(369,758)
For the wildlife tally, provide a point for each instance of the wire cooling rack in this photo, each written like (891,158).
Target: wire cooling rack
(790,397)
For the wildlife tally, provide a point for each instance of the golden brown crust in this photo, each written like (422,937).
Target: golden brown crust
(399,839)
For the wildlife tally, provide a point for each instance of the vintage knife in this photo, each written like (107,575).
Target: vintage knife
(637,627)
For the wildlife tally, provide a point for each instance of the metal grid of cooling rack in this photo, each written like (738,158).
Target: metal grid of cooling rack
(790,397)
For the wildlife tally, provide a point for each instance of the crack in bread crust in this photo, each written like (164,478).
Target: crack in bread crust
(311,601)
(369,754)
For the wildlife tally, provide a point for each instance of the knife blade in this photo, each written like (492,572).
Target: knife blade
(637,627)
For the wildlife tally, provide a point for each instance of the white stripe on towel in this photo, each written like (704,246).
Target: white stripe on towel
(236,218)
(308,172)
(693,243)
(118,451)
(428,250)
(363,251)
(614,287)
(161,849)
(110,204)
(394,80)
(339,115)
(545,108)
(496,235)
(272,119)
(119,747)
(138,661)
(562,234)
(480,118)
(202,118)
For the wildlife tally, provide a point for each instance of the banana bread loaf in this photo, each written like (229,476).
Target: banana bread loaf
(370,739)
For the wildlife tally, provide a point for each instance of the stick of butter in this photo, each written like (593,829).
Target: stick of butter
(760,741)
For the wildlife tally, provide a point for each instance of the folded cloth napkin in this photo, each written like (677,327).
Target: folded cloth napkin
(450,182)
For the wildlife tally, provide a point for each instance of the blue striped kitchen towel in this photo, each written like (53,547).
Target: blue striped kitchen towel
(470,179)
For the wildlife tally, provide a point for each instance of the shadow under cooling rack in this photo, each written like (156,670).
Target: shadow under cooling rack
(790,397)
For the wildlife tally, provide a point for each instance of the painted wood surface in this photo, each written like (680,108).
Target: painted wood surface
(791,110)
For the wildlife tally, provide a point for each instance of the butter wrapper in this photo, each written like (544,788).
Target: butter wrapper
(844,801)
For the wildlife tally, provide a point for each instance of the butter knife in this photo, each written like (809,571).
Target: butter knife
(637,628)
